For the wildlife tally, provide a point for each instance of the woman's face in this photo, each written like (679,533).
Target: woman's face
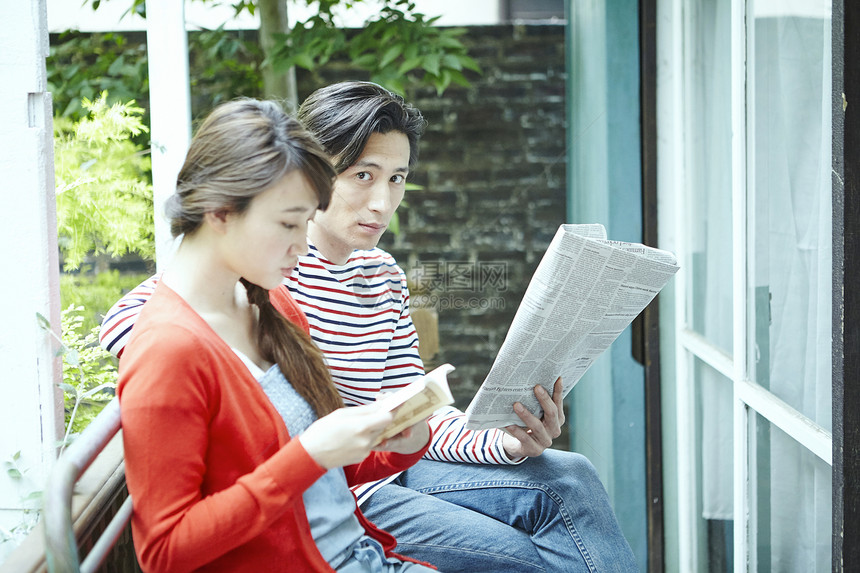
(365,197)
(265,241)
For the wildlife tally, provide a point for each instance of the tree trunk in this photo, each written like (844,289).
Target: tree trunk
(276,85)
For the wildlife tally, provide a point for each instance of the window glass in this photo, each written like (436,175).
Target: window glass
(791,492)
(708,193)
(790,207)
(715,462)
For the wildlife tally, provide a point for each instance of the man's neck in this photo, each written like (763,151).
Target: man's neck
(335,253)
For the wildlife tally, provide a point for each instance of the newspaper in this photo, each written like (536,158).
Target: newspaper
(418,400)
(585,292)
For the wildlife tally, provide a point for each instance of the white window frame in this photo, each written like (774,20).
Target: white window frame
(749,398)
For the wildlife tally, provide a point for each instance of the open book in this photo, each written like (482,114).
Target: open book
(585,292)
(418,400)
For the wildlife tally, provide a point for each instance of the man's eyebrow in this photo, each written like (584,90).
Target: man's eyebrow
(373,164)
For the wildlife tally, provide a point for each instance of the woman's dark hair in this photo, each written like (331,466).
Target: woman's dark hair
(343,116)
(241,149)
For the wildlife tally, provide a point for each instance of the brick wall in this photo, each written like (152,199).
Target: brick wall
(492,167)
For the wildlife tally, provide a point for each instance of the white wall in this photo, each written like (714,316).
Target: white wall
(69,14)
(30,412)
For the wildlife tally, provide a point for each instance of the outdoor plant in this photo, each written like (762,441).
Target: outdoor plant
(89,372)
(398,47)
(84,66)
(104,198)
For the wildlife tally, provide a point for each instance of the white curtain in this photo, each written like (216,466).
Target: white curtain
(792,148)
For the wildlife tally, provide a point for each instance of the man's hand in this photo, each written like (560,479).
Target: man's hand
(538,434)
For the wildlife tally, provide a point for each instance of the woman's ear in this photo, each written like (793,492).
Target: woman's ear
(217,219)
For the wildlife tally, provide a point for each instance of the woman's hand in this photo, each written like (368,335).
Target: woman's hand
(346,436)
(521,442)
(408,441)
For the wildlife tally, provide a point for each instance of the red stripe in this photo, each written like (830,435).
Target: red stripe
(359,351)
(347,369)
(340,291)
(407,365)
(357,335)
(103,334)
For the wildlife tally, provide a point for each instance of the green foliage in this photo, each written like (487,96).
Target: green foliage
(399,47)
(224,65)
(84,65)
(89,372)
(15,535)
(104,198)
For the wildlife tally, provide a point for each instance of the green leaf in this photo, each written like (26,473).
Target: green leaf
(459,79)
(390,55)
(98,389)
(409,65)
(367,61)
(16,456)
(451,61)
(394,224)
(469,63)
(14,473)
(43,322)
(68,389)
(72,358)
(431,64)
(32,496)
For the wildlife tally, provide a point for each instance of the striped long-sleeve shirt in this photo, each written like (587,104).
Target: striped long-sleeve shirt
(358,314)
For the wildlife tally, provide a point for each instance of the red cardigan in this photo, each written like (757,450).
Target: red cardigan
(216,481)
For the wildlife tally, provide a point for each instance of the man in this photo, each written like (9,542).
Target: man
(495,501)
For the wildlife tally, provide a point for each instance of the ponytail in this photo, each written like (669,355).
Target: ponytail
(300,360)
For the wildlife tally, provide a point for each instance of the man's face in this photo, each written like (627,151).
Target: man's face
(364,199)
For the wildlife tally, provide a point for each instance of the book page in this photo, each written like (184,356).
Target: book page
(584,293)
(417,401)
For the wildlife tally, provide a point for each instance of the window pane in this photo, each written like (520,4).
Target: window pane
(709,205)
(791,520)
(790,207)
(715,461)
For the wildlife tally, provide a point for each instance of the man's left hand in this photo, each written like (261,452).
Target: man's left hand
(538,434)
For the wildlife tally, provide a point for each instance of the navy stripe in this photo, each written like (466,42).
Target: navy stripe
(321,318)
(335,301)
(120,337)
(320,340)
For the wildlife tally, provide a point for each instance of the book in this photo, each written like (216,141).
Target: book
(585,291)
(417,401)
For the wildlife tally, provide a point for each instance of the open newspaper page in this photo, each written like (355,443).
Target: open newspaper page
(584,293)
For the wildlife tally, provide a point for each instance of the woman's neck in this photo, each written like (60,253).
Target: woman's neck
(196,274)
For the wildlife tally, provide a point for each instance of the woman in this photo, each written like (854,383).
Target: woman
(215,381)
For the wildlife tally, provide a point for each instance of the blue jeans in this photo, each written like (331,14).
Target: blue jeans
(550,513)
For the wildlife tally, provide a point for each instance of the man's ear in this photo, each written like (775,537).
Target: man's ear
(217,219)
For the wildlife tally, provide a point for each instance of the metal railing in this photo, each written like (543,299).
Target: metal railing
(61,547)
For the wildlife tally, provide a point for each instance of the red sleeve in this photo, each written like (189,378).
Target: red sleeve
(284,302)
